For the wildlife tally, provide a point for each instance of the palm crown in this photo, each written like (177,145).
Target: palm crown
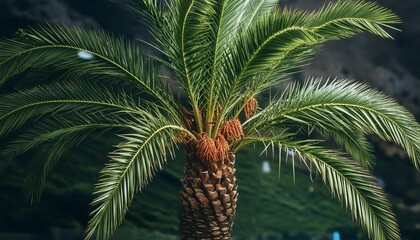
(223,55)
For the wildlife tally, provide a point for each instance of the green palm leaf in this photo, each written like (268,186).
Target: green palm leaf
(78,112)
(180,36)
(353,143)
(17,108)
(345,18)
(274,34)
(224,21)
(355,188)
(252,10)
(48,45)
(353,185)
(131,167)
(52,144)
(64,131)
(332,22)
(342,106)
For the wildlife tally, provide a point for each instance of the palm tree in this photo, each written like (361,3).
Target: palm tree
(219,56)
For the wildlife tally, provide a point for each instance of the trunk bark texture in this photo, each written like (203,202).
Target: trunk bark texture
(208,199)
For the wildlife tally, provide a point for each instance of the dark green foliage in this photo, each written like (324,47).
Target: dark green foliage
(220,54)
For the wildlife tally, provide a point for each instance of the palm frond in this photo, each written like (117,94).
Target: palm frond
(353,143)
(261,46)
(61,124)
(187,32)
(157,18)
(17,108)
(354,187)
(334,21)
(52,139)
(114,56)
(153,12)
(180,36)
(345,18)
(225,27)
(223,24)
(132,165)
(63,127)
(252,10)
(342,106)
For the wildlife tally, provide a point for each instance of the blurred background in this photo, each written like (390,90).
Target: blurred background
(283,208)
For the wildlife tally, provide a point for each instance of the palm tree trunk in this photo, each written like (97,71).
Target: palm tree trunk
(208,199)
